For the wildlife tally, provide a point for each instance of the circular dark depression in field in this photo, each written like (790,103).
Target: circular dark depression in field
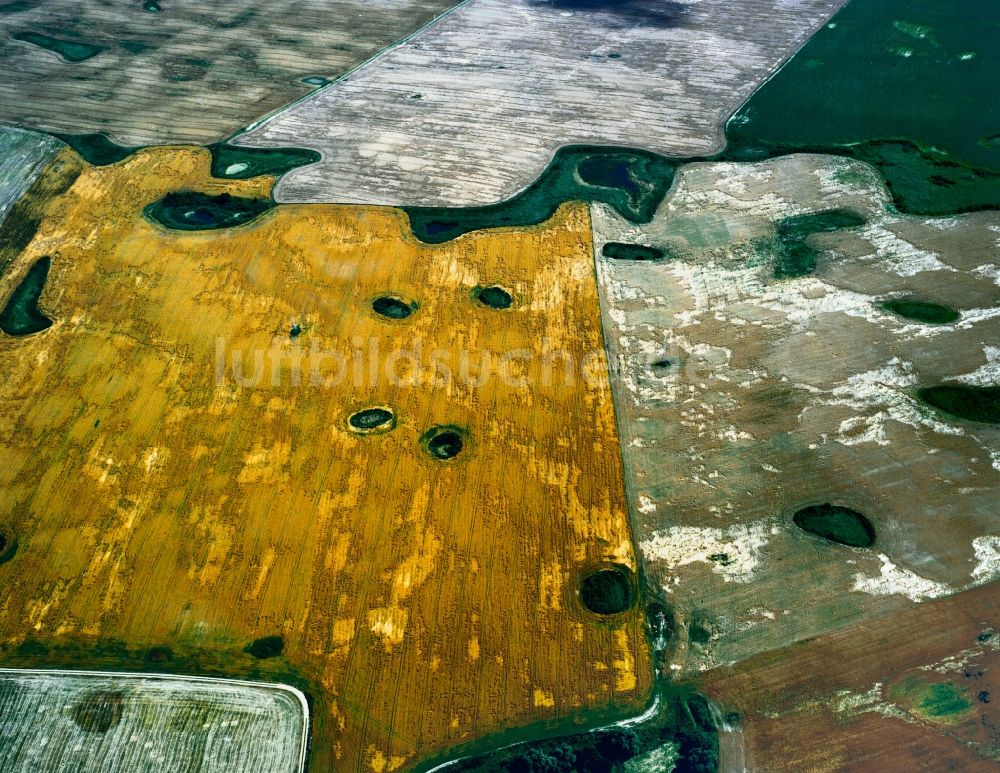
(836,523)
(393,307)
(922,311)
(444,443)
(494,297)
(372,420)
(99,711)
(266,647)
(607,591)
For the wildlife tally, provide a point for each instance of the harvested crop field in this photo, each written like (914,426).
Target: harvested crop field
(189,463)
(73,720)
(182,71)
(473,108)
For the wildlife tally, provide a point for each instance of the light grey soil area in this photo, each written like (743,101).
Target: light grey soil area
(56,721)
(192,72)
(23,154)
(472,109)
(742,397)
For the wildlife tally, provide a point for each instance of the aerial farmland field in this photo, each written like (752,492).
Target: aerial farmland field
(551,385)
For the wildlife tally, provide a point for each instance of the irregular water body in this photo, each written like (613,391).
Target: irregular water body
(682,735)
(494,297)
(194,211)
(229,162)
(632,181)
(21,315)
(638,252)
(66,49)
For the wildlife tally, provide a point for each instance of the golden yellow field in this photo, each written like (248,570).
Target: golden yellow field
(163,497)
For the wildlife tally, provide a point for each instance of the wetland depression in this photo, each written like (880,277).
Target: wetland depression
(21,315)
(195,211)
(836,523)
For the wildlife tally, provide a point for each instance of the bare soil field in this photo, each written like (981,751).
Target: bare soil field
(181,71)
(473,108)
(913,690)
(751,387)
(207,451)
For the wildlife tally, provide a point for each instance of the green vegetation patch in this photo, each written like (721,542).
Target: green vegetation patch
(922,311)
(608,591)
(97,149)
(67,49)
(238,163)
(631,181)
(941,701)
(21,316)
(793,256)
(639,252)
(836,523)
(194,211)
(964,401)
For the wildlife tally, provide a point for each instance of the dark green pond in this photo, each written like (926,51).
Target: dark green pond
(640,252)
(67,49)
(494,297)
(607,592)
(965,401)
(194,211)
(922,311)
(21,316)
(443,443)
(238,163)
(836,523)
(393,307)
(372,419)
